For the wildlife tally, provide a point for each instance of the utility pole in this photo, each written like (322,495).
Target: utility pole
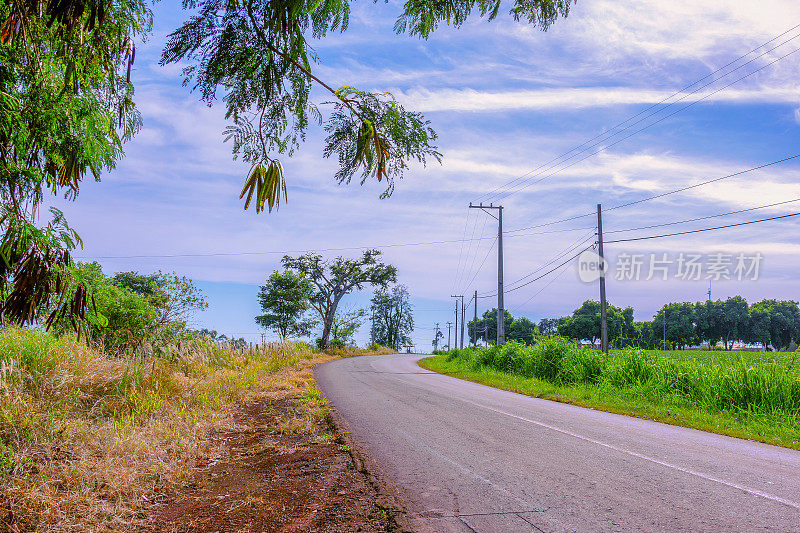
(603,324)
(372,329)
(501,315)
(475,327)
(463,320)
(436,336)
(455,331)
(448,334)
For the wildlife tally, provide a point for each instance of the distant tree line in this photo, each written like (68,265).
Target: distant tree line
(768,323)
(517,329)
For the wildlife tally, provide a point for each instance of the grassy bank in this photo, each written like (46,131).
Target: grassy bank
(751,395)
(89,441)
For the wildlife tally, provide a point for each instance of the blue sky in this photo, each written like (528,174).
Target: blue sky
(505,98)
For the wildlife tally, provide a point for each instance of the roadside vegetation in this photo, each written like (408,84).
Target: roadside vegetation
(104,418)
(719,324)
(753,395)
(90,438)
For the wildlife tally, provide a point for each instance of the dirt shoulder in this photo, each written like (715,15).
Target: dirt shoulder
(279,465)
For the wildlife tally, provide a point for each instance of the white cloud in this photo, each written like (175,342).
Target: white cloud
(574,99)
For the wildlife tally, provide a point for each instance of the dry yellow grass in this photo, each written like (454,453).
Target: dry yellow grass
(88,442)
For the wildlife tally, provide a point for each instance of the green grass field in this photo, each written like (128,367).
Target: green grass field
(752,395)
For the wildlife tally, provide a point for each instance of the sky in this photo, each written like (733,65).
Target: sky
(507,101)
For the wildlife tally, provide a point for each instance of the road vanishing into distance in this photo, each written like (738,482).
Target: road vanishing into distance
(465,457)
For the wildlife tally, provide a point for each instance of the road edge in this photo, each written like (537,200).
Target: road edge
(670,420)
(390,500)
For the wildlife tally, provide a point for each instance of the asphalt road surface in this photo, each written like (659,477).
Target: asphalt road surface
(466,457)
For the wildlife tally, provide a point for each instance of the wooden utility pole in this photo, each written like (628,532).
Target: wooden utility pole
(501,315)
(448,335)
(463,320)
(603,324)
(455,331)
(475,332)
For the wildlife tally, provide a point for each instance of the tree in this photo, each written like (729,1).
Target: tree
(486,328)
(758,325)
(436,337)
(734,320)
(118,318)
(680,323)
(548,326)
(284,299)
(710,321)
(175,297)
(646,336)
(585,323)
(257,53)
(345,326)
(774,322)
(522,330)
(67,109)
(394,318)
(333,279)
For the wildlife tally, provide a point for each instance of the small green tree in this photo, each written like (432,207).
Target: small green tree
(775,322)
(393,317)
(175,297)
(734,320)
(709,321)
(680,323)
(522,330)
(117,317)
(548,326)
(345,326)
(284,300)
(584,324)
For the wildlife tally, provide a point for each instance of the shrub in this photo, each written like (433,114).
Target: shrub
(733,383)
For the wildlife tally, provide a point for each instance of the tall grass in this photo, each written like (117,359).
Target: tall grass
(87,439)
(745,382)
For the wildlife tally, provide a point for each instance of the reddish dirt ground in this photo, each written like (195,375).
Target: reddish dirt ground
(272,480)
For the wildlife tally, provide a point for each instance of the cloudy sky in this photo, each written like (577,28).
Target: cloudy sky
(547,124)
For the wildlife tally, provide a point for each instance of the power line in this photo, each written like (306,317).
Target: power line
(703,218)
(706,182)
(474,254)
(537,278)
(508,184)
(557,257)
(345,248)
(537,293)
(489,251)
(661,195)
(605,148)
(461,251)
(705,229)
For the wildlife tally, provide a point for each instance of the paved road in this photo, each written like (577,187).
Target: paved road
(471,458)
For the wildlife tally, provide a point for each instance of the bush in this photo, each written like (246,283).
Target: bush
(767,386)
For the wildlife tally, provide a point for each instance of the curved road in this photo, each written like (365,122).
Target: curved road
(466,457)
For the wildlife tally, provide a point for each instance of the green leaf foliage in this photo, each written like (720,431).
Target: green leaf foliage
(254,56)
(393,317)
(284,300)
(66,109)
(333,279)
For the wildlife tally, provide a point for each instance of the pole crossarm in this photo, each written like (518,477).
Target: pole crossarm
(501,329)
